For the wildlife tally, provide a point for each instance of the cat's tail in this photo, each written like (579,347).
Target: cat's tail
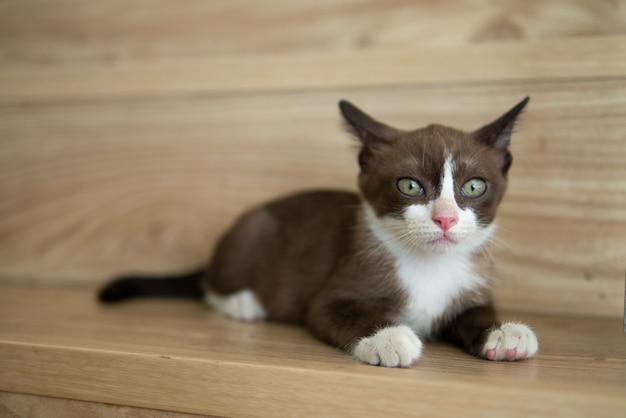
(182,286)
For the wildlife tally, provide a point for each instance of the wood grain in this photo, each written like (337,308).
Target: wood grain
(181,356)
(18,405)
(74,30)
(482,63)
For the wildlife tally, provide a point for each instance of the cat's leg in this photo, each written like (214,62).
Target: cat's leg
(480,333)
(229,282)
(361,329)
(242,305)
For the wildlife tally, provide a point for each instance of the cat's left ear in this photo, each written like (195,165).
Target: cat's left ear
(498,133)
(374,136)
(372,133)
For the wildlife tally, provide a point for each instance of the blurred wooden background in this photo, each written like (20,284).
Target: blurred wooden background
(132,134)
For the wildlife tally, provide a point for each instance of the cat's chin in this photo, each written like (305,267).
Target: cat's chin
(452,244)
(442,245)
(446,244)
(443,240)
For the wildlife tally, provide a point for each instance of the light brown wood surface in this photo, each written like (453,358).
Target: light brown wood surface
(32,31)
(22,405)
(530,60)
(131,135)
(181,356)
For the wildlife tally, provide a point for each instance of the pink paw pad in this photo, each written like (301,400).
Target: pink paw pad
(510,354)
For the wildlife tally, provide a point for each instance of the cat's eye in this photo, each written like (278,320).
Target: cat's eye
(410,187)
(474,188)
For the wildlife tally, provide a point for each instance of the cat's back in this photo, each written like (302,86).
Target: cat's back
(315,218)
(309,205)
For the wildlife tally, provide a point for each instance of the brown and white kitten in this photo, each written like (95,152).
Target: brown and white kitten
(375,274)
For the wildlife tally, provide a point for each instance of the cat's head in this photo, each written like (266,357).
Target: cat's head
(435,189)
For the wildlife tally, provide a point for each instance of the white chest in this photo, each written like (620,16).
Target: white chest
(432,285)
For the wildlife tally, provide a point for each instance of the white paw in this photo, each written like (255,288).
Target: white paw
(396,346)
(242,305)
(512,341)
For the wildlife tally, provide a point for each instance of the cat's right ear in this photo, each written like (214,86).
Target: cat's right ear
(498,133)
(374,136)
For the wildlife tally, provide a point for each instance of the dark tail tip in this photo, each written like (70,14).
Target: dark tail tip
(118,291)
(183,286)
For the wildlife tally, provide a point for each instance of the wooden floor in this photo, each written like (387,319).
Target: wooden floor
(180,356)
(131,136)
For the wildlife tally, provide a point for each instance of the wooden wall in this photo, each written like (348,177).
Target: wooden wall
(131,135)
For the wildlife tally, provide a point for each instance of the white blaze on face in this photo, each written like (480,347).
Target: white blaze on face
(445,211)
(447,180)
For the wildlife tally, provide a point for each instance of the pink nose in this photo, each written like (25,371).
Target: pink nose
(445,222)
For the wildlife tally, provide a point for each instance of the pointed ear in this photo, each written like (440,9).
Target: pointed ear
(369,131)
(374,135)
(498,133)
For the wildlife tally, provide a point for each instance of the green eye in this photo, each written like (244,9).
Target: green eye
(410,187)
(474,188)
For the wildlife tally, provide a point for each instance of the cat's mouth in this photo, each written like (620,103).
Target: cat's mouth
(444,239)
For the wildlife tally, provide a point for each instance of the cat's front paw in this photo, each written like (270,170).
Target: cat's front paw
(396,346)
(509,342)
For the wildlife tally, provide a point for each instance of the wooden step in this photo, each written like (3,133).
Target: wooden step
(180,356)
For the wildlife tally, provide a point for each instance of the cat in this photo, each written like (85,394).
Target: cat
(377,273)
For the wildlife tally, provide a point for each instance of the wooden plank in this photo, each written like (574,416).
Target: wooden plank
(179,356)
(22,405)
(93,190)
(528,61)
(32,31)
